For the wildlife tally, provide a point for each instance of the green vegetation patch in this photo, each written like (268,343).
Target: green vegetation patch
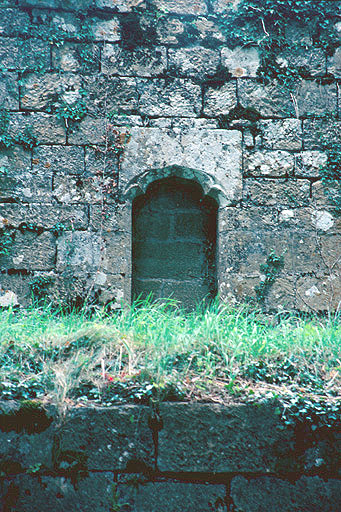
(157,351)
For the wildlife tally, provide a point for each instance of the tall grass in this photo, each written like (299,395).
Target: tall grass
(44,351)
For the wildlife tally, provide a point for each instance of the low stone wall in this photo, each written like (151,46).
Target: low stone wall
(201,457)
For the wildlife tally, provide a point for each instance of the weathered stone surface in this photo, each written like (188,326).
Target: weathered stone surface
(310,60)
(214,154)
(223,6)
(58,159)
(269,163)
(271,493)
(334,63)
(111,438)
(193,61)
(40,91)
(116,253)
(12,21)
(315,99)
(244,438)
(309,164)
(111,218)
(220,100)
(107,95)
(319,132)
(169,98)
(44,215)
(271,100)
(136,62)
(106,30)
(241,61)
(46,128)
(70,57)
(17,285)
(92,492)
(209,30)
(247,218)
(195,7)
(17,54)
(18,182)
(9,92)
(269,192)
(27,443)
(80,250)
(75,189)
(286,134)
(101,131)
(237,288)
(31,251)
(324,194)
(173,496)
(319,293)
(170,30)
(119,5)
(55,4)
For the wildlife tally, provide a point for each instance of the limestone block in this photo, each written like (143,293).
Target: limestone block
(334,63)
(119,5)
(270,100)
(169,98)
(310,219)
(55,4)
(29,446)
(43,215)
(80,250)
(248,251)
(18,182)
(269,192)
(212,157)
(269,163)
(220,100)
(319,293)
(195,7)
(70,57)
(281,134)
(324,195)
(9,93)
(209,30)
(237,288)
(46,128)
(81,189)
(281,294)
(68,22)
(100,131)
(310,59)
(18,286)
(247,218)
(243,437)
(101,163)
(271,493)
(308,164)
(106,29)
(31,251)
(170,30)
(136,62)
(111,438)
(111,218)
(110,95)
(13,21)
(113,289)
(175,496)
(318,132)
(315,99)
(222,6)
(115,257)
(58,159)
(93,492)
(39,91)
(196,61)
(18,54)
(241,61)
(315,253)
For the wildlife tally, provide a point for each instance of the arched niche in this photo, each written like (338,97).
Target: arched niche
(174,240)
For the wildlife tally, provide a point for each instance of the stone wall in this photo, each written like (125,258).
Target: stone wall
(186,457)
(102,97)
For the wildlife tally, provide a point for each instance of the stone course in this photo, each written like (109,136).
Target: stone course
(104,97)
(206,457)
